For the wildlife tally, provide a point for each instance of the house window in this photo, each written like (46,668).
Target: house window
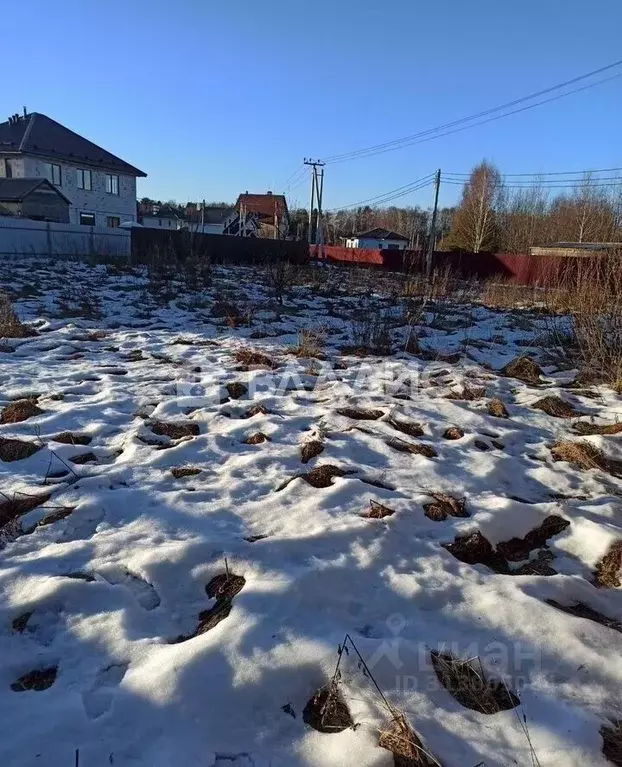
(393,246)
(85,180)
(52,173)
(8,169)
(379,246)
(114,222)
(87,219)
(112,184)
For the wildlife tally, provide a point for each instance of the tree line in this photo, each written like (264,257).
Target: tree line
(496,215)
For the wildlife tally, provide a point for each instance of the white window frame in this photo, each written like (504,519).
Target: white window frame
(83,175)
(85,213)
(49,169)
(112,184)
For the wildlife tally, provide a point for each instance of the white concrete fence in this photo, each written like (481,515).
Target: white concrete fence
(24,237)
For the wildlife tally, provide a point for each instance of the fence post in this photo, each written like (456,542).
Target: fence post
(91,242)
(48,239)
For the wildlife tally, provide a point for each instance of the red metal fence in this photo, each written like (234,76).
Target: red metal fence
(517,268)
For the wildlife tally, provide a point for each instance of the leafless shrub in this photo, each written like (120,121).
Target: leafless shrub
(280,276)
(311,343)
(79,301)
(371,335)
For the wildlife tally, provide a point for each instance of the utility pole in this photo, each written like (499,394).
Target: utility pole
(319,232)
(203,218)
(315,164)
(430,254)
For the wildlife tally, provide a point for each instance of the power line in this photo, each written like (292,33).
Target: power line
(393,194)
(414,138)
(552,173)
(616,183)
(290,179)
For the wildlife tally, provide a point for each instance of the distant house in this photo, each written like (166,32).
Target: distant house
(33,198)
(242,224)
(269,211)
(208,220)
(161,217)
(377,239)
(100,186)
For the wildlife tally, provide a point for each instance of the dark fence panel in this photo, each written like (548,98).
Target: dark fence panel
(153,244)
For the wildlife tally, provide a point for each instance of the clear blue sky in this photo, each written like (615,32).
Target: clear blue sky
(212,98)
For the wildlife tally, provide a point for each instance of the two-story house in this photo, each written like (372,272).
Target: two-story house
(100,186)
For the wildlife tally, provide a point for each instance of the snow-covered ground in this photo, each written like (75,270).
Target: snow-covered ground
(106,596)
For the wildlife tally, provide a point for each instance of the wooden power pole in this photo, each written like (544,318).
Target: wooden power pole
(315,164)
(431,241)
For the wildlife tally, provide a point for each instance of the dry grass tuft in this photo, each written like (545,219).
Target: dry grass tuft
(608,573)
(360,414)
(16,449)
(256,439)
(469,686)
(378,511)
(523,368)
(310,449)
(236,390)
(175,430)
(406,427)
(10,324)
(19,411)
(403,742)
(556,407)
(497,409)
(582,454)
(453,432)
(18,505)
(252,358)
(322,476)
(326,711)
(444,506)
(185,471)
(588,429)
(612,742)
(311,343)
(69,438)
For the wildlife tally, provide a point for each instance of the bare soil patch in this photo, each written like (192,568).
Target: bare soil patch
(310,449)
(453,432)
(236,390)
(16,449)
(378,511)
(556,407)
(175,430)
(185,471)
(256,439)
(517,549)
(360,414)
(256,410)
(468,393)
(444,506)
(223,588)
(20,504)
(69,438)
(252,358)
(326,711)
(497,409)
(83,458)
(322,476)
(410,428)
(612,742)
(579,610)
(39,679)
(524,369)
(608,573)
(469,686)
(19,411)
(414,448)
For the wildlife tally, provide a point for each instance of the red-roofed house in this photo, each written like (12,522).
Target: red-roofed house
(270,211)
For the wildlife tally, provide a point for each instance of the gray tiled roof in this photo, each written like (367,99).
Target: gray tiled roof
(37,134)
(15,189)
